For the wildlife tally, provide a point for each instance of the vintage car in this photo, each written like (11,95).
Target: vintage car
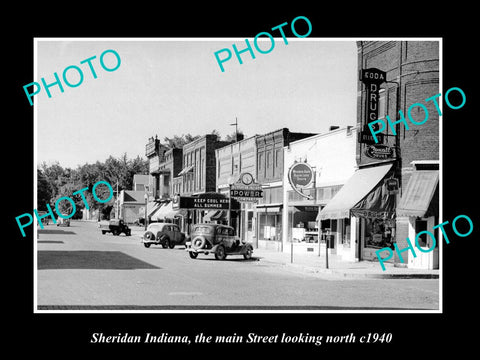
(115,226)
(62,221)
(217,239)
(165,234)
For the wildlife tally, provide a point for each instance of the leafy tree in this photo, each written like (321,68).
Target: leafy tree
(178,141)
(44,191)
(232,136)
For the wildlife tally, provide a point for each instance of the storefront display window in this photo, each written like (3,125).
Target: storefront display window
(346,232)
(269,227)
(379,233)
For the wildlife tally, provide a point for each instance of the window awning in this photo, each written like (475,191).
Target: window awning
(152,207)
(419,194)
(213,215)
(185,170)
(356,189)
(161,213)
(271,209)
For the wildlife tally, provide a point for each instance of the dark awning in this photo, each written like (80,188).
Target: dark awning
(358,193)
(418,195)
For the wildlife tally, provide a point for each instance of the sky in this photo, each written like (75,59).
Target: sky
(170,87)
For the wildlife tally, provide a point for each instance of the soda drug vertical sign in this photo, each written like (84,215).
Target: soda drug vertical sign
(372,78)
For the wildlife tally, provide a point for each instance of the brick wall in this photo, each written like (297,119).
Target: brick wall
(416,65)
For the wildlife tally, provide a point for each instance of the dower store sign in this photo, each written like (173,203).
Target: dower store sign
(301,176)
(246,189)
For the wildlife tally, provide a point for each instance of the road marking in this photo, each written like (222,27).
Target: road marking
(185,293)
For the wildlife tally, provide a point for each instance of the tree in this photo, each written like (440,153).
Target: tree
(178,141)
(44,191)
(233,136)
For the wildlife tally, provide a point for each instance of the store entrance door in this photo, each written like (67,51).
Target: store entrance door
(425,259)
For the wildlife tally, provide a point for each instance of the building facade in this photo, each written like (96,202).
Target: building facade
(315,169)
(197,177)
(232,160)
(394,193)
(268,212)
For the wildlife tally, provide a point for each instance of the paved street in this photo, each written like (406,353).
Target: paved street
(79,268)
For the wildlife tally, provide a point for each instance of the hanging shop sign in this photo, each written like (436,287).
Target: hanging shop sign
(366,137)
(203,202)
(301,176)
(246,189)
(372,78)
(379,151)
(392,185)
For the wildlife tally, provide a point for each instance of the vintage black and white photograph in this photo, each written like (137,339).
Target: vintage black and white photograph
(277,173)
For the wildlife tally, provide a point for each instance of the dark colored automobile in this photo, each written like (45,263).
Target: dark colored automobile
(217,239)
(165,234)
(115,226)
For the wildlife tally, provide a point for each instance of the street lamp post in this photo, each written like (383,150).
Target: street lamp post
(146,202)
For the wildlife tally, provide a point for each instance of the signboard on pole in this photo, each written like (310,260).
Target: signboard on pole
(246,189)
(301,176)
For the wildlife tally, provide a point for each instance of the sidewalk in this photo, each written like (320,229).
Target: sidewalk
(341,268)
(314,264)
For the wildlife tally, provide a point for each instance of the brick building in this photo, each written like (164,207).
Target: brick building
(394,193)
(232,160)
(267,216)
(198,176)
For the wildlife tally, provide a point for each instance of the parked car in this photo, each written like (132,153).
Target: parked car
(115,226)
(63,222)
(217,239)
(165,234)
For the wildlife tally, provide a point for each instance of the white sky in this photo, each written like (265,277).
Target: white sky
(172,87)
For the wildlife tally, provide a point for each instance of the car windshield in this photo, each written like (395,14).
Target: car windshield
(203,229)
(157,227)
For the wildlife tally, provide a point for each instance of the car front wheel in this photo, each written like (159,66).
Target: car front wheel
(220,254)
(146,245)
(192,254)
(248,254)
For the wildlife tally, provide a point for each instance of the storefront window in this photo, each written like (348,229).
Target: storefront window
(421,225)
(302,225)
(269,227)
(249,221)
(379,233)
(346,232)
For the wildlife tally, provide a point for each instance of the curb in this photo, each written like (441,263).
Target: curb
(370,275)
(351,274)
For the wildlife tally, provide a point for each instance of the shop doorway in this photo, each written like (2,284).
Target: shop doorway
(423,260)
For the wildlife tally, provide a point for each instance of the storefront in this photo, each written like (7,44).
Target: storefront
(366,206)
(206,207)
(316,168)
(419,206)
(268,215)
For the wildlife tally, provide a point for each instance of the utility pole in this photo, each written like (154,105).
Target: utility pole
(236,128)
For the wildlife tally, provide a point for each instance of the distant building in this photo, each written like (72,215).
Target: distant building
(131,205)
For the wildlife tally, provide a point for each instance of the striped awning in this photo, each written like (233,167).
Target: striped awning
(185,170)
(419,193)
(355,190)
